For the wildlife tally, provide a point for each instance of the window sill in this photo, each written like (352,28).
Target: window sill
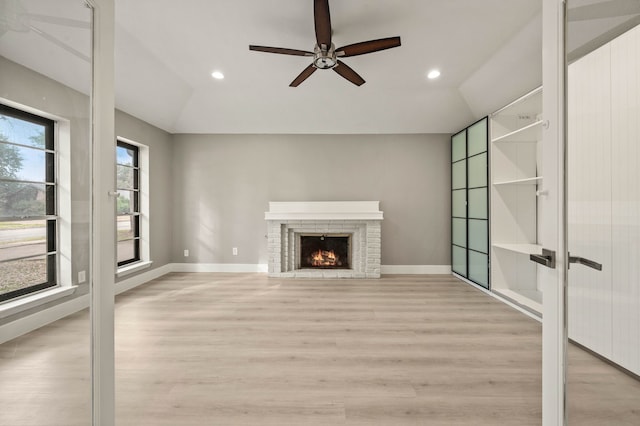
(134,267)
(27,302)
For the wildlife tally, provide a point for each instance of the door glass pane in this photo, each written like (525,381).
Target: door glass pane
(459,207)
(478,203)
(45,74)
(460,232)
(479,268)
(478,171)
(477,138)
(459,175)
(459,261)
(479,235)
(458,146)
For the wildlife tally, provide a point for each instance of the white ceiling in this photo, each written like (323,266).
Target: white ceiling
(166,50)
(489,53)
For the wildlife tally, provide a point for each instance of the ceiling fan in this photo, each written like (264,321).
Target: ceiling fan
(325,55)
(15,17)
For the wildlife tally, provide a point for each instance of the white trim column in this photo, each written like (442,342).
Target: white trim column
(103,216)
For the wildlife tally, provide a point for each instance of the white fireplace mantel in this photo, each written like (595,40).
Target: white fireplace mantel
(324,210)
(287,221)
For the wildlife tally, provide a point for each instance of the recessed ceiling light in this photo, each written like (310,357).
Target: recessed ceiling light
(217,75)
(433,74)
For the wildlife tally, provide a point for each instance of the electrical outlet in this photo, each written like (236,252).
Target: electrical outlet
(186,253)
(82,277)
(235,251)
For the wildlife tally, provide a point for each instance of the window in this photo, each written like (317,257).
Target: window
(128,203)
(28,213)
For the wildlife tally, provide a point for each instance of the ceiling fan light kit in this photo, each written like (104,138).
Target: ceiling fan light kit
(325,55)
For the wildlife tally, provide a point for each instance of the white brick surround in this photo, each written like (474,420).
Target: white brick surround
(287,220)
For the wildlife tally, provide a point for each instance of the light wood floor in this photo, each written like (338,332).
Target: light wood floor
(221,349)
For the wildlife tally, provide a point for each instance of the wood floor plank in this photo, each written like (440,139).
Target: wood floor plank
(243,349)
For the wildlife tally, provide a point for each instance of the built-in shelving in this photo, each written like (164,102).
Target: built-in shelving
(529,133)
(527,181)
(515,164)
(520,248)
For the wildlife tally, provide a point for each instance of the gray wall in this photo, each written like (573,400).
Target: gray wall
(223,183)
(26,87)
(160,181)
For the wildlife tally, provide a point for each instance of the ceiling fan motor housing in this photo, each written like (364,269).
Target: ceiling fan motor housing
(325,59)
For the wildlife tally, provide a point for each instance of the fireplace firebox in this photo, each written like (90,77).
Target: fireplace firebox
(325,251)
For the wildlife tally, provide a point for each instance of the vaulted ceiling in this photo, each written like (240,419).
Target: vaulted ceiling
(488,52)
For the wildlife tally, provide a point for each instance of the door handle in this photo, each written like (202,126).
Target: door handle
(586,262)
(547,258)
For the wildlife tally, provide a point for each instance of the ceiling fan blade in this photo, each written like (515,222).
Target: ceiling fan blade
(60,43)
(322,21)
(280,50)
(59,21)
(303,76)
(605,9)
(368,46)
(348,73)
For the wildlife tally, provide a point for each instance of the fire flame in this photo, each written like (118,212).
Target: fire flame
(324,258)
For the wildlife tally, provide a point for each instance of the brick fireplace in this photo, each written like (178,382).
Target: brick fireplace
(356,221)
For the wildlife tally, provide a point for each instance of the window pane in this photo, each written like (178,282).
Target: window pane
(459,208)
(478,138)
(479,235)
(125,177)
(460,232)
(127,202)
(125,156)
(459,261)
(22,163)
(459,146)
(127,227)
(22,199)
(459,175)
(478,203)
(127,250)
(21,274)
(21,239)
(479,268)
(23,132)
(478,171)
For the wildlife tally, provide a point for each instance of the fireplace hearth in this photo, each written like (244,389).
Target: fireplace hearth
(325,251)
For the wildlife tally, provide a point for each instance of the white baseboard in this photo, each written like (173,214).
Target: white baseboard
(145,277)
(415,269)
(40,319)
(219,267)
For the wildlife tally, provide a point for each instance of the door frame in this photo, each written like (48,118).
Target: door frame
(553,233)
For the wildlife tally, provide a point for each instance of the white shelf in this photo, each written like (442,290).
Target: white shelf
(520,248)
(530,300)
(530,133)
(527,181)
(531,102)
